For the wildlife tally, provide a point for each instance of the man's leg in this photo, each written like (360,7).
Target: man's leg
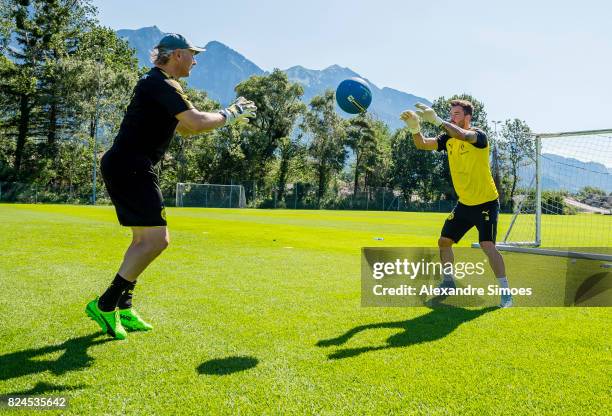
(453,230)
(495,258)
(499,268)
(447,257)
(147,244)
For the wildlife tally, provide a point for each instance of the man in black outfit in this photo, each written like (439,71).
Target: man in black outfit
(158,108)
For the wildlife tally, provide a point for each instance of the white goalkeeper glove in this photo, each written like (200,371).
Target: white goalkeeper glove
(428,114)
(239,111)
(412,121)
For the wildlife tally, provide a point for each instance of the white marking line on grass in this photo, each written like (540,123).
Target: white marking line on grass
(287,247)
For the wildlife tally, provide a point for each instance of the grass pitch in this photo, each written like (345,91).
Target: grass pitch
(258,312)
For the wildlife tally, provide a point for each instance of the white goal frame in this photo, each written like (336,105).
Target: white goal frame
(236,194)
(534,245)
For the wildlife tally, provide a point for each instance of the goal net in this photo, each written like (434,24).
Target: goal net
(564,193)
(207,195)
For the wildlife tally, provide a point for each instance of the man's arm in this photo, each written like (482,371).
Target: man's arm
(193,122)
(198,121)
(458,133)
(424,143)
(414,127)
(184,131)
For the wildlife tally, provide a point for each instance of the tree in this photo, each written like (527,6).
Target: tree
(326,148)
(6,24)
(518,150)
(413,170)
(361,139)
(18,77)
(377,163)
(45,32)
(278,108)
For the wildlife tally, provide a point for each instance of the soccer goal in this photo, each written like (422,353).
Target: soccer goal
(563,198)
(208,195)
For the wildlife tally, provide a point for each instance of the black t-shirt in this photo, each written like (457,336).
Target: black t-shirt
(149,122)
(481,140)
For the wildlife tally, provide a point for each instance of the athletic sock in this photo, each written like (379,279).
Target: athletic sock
(448,277)
(503,282)
(108,300)
(125,300)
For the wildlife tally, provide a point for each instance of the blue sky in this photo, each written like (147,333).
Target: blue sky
(546,62)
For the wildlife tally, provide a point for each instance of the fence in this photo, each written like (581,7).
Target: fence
(296,196)
(24,193)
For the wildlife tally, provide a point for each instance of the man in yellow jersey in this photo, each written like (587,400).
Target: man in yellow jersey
(468,156)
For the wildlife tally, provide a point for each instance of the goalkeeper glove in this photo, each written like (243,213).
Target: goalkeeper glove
(412,121)
(428,115)
(239,111)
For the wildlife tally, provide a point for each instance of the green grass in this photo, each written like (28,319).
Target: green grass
(258,311)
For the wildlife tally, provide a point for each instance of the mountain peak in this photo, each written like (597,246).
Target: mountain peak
(221,68)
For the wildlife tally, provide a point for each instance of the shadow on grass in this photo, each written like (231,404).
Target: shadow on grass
(26,362)
(228,365)
(43,388)
(432,326)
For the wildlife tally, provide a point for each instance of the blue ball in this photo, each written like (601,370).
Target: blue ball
(353,95)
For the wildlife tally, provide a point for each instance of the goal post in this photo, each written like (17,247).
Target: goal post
(563,197)
(206,195)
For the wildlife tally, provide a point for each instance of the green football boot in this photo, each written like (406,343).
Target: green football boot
(132,321)
(108,321)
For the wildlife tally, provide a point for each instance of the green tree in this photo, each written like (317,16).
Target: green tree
(327,146)
(361,139)
(45,32)
(6,24)
(278,108)
(415,172)
(589,192)
(378,162)
(517,151)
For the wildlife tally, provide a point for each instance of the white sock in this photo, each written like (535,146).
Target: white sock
(503,282)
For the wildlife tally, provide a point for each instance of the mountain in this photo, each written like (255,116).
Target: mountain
(559,172)
(142,40)
(387,103)
(220,68)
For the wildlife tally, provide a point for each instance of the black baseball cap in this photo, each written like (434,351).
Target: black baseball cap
(174,41)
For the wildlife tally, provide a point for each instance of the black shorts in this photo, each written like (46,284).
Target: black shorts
(464,217)
(133,186)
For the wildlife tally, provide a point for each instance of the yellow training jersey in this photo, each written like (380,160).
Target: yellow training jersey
(469,166)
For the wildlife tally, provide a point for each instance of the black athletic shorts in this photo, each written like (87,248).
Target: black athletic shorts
(133,186)
(464,217)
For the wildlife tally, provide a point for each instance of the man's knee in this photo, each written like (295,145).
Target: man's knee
(445,242)
(155,245)
(488,247)
(153,242)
